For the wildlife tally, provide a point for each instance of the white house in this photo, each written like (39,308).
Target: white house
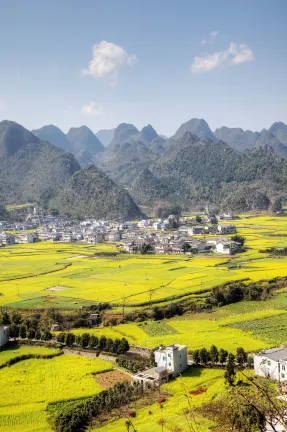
(227,247)
(173,358)
(271,363)
(4,335)
(171,362)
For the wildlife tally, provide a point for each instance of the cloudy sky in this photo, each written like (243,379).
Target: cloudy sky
(100,63)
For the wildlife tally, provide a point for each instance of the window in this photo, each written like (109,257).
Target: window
(283,368)
(269,363)
(283,376)
(180,356)
(164,358)
(180,366)
(169,364)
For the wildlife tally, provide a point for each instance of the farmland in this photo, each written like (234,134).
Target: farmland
(31,384)
(89,274)
(179,399)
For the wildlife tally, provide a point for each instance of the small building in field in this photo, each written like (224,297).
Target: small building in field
(227,247)
(171,362)
(271,363)
(4,335)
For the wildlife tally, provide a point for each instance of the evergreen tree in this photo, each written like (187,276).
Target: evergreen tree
(110,345)
(14,331)
(85,340)
(78,340)
(16,318)
(196,357)
(38,334)
(46,335)
(222,357)
(22,331)
(241,356)
(117,344)
(230,373)
(69,339)
(61,337)
(102,342)
(124,346)
(5,318)
(93,342)
(213,354)
(203,356)
(31,333)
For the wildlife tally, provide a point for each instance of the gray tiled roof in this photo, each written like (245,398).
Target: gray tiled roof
(275,354)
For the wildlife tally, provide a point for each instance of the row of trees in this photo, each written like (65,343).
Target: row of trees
(77,418)
(21,331)
(116,346)
(214,356)
(135,364)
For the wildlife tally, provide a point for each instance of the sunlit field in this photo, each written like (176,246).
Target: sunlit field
(85,274)
(31,384)
(14,351)
(179,400)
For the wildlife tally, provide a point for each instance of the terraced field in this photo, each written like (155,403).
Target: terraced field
(29,385)
(87,274)
(177,411)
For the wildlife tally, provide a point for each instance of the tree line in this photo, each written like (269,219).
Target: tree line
(76,419)
(116,346)
(135,364)
(214,356)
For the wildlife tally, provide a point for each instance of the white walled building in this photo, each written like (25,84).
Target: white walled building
(173,358)
(271,363)
(4,335)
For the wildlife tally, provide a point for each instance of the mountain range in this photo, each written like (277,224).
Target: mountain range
(34,170)
(230,168)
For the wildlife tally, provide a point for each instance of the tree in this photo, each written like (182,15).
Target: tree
(93,343)
(46,335)
(213,354)
(61,337)
(110,345)
(31,333)
(198,219)
(85,340)
(5,318)
(102,342)
(22,331)
(196,357)
(203,356)
(124,346)
(69,339)
(16,318)
(230,373)
(238,239)
(241,356)
(14,331)
(145,248)
(276,205)
(222,355)
(78,340)
(38,334)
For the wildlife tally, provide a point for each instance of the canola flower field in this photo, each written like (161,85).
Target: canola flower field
(28,386)
(66,276)
(47,275)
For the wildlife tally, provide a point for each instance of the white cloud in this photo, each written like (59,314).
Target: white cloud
(107,59)
(2,107)
(233,55)
(210,39)
(93,110)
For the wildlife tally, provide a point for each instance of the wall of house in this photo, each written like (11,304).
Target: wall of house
(4,335)
(265,367)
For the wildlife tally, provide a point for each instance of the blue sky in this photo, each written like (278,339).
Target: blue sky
(162,62)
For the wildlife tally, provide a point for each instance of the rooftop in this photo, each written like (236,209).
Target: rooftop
(275,354)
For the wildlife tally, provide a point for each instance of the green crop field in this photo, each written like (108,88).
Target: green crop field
(47,275)
(179,399)
(195,331)
(29,385)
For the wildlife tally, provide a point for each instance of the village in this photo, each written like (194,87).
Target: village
(173,235)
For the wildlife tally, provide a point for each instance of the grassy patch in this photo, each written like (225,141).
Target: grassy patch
(158,328)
